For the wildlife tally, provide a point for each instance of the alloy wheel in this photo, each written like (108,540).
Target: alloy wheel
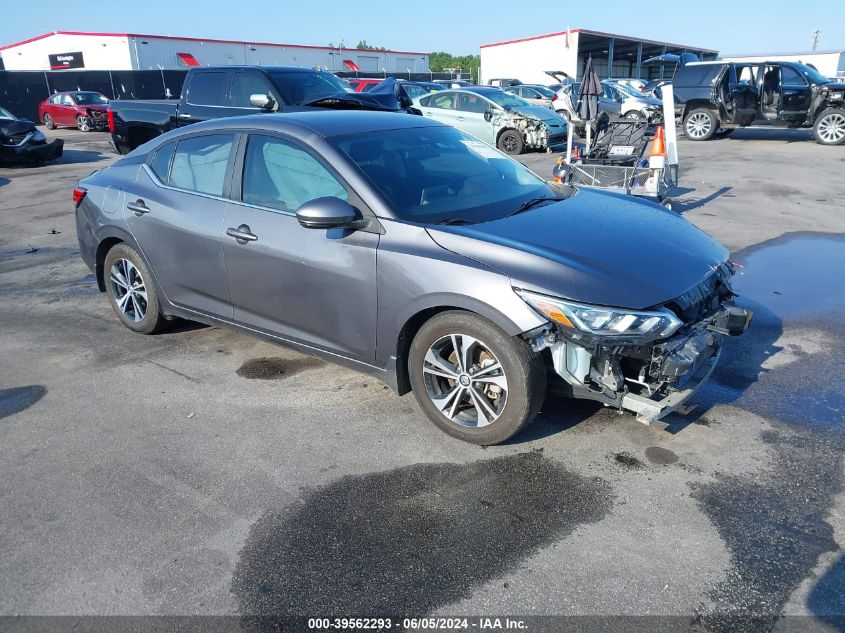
(831,128)
(509,143)
(465,380)
(698,125)
(129,290)
(83,123)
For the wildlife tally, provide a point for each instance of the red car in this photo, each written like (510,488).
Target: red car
(83,110)
(362,85)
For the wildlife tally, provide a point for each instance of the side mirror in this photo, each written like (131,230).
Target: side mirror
(265,102)
(327,213)
(488,115)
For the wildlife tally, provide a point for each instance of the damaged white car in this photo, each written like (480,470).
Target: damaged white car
(496,117)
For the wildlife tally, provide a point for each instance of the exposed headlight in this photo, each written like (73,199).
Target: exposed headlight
(38,135)
(601,321)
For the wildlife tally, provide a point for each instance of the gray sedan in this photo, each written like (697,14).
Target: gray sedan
(409,250)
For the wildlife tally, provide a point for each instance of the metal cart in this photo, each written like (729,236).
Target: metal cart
(649,182)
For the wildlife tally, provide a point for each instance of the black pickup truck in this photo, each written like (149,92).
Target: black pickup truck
(215,92)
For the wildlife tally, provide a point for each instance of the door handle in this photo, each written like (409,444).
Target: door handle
(460,118)
(242,234)
(182,115)
(138,207)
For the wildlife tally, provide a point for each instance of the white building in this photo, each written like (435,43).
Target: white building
(828,63)
(128,51)
(613,56)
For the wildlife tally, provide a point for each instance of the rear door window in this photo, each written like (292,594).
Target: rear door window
(208,88)
(446,102)
(281,175)
(160,161)
(200,163)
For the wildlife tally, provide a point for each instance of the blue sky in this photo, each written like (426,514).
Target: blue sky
(456,26)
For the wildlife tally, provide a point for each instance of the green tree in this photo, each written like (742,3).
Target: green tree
(362,44)
(440,61)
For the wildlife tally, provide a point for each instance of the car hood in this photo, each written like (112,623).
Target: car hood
(537,112)
(596,247)
(835,85)
(96,108)
(10,127)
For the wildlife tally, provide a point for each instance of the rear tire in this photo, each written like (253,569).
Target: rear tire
(700,124)
(496,395)
(510,142)
(48,122)
(131,290)
(829,127)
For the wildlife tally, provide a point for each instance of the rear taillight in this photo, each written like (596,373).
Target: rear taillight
(78,194)
(554,97)
(110,116)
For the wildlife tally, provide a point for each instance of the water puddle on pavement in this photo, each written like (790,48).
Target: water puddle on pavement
(788,365)
(786,368)
(412,539)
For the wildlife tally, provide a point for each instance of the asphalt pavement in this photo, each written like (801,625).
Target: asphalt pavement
(201,472)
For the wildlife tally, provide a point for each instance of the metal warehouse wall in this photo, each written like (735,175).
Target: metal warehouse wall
(99,52)
(526,60)
(151,53)
(21,92)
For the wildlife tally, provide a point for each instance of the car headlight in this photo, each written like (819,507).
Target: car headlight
(601,321)
(38,135)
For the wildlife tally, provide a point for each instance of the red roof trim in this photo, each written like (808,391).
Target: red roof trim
(201,39)
(528,39)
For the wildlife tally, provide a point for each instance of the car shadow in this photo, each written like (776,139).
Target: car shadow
(787,135)
(683,203)
(76,156)
(827,598)
(68,157)
(4,181)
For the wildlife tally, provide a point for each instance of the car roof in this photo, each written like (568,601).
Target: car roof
(325,123)
(292,69)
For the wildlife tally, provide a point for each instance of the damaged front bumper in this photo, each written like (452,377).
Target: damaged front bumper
(650,380)
(30,147)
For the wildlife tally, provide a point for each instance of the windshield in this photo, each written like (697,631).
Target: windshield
(504,99)
(812,74)
(89,98)
(628,90)
(5,114)
(436,174)
(300,87)
(544,91)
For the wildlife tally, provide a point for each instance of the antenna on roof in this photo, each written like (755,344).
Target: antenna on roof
(816,34)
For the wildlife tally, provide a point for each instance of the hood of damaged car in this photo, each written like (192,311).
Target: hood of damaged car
(595,247)
(546,115)
(11,127)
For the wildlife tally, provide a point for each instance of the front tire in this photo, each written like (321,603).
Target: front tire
(829,127)
(472,380)
(634,114)
(510,142)
(131,291)
(48,122)
(83,123)
(701,124)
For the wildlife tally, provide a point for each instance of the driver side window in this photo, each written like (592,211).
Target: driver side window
(445,102)
(280,175)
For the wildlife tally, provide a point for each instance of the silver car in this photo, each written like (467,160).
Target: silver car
(498,118)
(533,94)
(410,250)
